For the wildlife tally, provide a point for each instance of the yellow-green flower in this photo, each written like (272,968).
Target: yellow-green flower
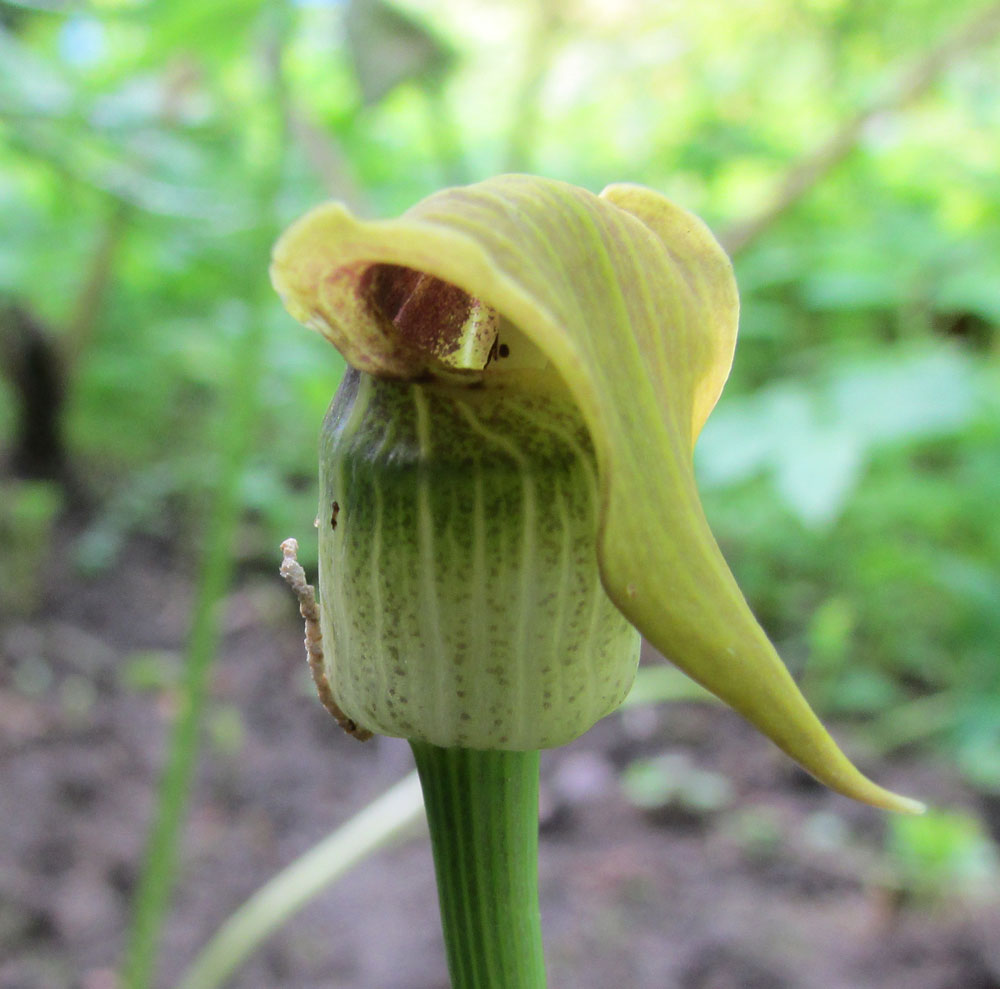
(616,314)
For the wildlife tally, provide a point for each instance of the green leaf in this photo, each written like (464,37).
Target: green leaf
(815,438)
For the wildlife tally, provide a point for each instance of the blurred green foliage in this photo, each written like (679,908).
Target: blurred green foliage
(942,854)
(27,513)
(671,783)
(852,470)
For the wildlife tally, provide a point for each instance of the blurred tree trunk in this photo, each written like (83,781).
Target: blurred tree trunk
(33,363)
(41,363)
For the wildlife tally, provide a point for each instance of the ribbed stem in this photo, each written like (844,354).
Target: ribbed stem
(482,808)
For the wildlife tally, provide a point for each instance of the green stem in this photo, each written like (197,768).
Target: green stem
(482,809)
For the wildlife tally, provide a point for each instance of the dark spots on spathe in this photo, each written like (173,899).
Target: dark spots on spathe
(503,350)
(334,512)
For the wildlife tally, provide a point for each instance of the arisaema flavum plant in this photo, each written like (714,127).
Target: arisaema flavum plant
(508,501)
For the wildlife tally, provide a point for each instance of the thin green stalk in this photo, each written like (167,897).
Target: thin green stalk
(275,903)
(444,134)
(240,410)
(482,809)
(153,896)
(538,57)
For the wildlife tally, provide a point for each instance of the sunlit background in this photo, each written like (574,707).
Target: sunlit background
(158,417)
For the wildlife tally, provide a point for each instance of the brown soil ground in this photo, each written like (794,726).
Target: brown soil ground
(783,885)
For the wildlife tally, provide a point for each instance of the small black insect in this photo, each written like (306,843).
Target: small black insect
(333,515)
(497,350)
